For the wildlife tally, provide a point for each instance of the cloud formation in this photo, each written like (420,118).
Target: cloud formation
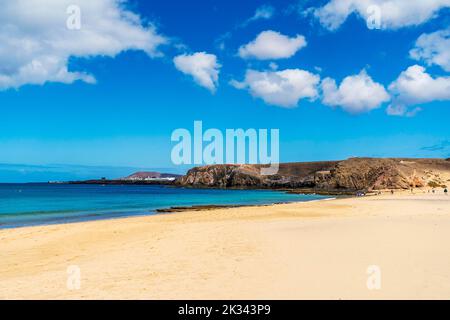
(203,68)
(443,145)
(280,88)
(433,48)
(263,12)
(36,42)
(394,14)
(272,45)
(415,86)
(356,94)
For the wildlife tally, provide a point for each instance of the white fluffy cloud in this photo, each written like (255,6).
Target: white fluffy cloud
(393,13)
(272,45)
(415,86)
(433,48)
(203,67)
(36,44)
(280,88)
(356,94)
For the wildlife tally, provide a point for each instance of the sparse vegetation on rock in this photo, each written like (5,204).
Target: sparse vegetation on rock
(347,175)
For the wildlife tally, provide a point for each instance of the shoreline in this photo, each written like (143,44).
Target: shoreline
(149,213)
(196,208)
(306,250)
(174,184)
(209,207)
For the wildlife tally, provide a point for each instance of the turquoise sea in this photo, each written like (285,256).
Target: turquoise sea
(37,204)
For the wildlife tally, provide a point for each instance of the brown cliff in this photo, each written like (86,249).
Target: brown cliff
(348,175)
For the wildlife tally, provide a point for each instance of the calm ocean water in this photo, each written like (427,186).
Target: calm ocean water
(35,204)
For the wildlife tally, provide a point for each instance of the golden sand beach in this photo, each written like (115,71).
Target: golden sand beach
(324,249)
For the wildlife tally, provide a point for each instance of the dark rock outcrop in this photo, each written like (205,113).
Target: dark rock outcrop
(347,175)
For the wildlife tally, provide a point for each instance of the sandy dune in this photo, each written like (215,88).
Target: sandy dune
(294,251)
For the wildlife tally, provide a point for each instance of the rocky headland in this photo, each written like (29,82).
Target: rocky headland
(346,176)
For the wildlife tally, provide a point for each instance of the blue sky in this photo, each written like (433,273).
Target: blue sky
(111,96)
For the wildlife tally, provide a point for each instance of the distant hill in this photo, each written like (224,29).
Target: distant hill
(135,178)
(327,176)
(150,175)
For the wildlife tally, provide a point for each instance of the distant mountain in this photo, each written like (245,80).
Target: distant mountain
(151,176)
